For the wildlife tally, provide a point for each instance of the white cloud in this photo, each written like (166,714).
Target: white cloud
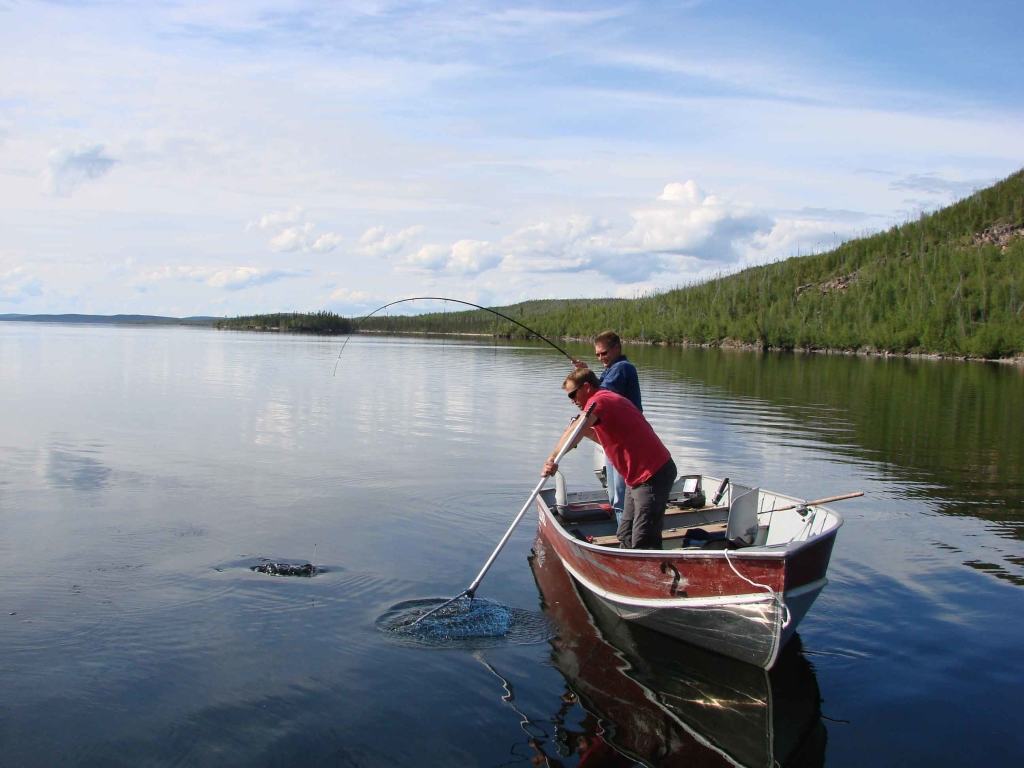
(277,219)
(429,258)
(292,238)
(688,222)
(936,184)
(791,237)
(294,232)
(326,242)
(767,74)
(69,168)
(464,257)
(687,192)
(231,279)
(18,284)
(565,245)
(378,241)
(176,272)
(238,278)
(353,302)
(635,290)
(683,232)
(534,20)
(471,257)
(671,236)
(350,296)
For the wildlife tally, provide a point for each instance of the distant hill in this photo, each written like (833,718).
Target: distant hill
(113,319)
(950,283)
(325,323)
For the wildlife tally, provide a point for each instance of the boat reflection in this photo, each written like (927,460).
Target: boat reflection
(655,700)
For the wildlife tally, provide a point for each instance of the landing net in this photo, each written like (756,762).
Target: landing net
(466,622)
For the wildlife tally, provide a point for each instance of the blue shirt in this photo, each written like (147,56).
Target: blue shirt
(620,377)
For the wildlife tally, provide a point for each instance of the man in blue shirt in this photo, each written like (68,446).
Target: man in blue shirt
(619,376)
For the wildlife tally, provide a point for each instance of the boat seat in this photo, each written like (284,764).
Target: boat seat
(673,511)
(668,534)
(592,512)
(704,537)
(578,512)
(742,524)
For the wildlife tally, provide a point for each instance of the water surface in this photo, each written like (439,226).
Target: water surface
(143,470)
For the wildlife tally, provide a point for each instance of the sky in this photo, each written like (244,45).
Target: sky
(223,158)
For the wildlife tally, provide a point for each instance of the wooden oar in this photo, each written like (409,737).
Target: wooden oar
(819,502)
(471,589)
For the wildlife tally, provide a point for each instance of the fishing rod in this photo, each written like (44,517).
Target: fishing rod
(457,301)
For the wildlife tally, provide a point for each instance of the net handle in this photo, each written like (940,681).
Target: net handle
(470,591)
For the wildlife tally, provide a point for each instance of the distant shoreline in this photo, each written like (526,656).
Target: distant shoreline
(728,345)
(208,322)
(80,319)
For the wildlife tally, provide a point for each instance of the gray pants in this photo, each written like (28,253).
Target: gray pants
(640,527)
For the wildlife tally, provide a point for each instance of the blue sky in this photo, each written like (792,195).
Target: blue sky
(232,157)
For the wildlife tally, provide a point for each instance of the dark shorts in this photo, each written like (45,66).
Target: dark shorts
(644,510)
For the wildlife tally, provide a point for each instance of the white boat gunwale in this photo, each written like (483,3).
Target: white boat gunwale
(832,521)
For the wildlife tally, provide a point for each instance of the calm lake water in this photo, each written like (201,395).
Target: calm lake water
(142,470)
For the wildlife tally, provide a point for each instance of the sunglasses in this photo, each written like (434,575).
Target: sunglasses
(572,395)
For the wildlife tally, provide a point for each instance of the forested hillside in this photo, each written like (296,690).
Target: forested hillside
(289,322)
(950,283)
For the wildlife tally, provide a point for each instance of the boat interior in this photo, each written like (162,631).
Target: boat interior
(703,513)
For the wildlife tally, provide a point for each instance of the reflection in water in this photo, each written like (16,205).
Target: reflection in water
(937,436)
(665,703)
(950,430)
(274,425)
(585,741)
(76,468)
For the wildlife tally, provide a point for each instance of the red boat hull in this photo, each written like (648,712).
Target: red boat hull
(663,703)
(741,603)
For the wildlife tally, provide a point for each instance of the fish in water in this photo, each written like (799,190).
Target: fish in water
(285,569)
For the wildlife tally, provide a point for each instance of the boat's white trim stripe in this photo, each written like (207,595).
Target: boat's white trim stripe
(688,602)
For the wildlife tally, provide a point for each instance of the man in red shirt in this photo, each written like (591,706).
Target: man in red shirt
(632,447)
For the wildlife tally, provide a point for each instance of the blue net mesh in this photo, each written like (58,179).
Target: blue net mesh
(466,622)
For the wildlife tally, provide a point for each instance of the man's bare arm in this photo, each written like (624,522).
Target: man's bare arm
(550,467)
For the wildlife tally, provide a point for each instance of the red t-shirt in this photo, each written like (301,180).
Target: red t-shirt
(628,440)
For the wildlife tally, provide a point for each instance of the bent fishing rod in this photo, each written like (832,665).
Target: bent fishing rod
(456,301)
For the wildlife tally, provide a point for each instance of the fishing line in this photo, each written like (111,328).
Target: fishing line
(446,299)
